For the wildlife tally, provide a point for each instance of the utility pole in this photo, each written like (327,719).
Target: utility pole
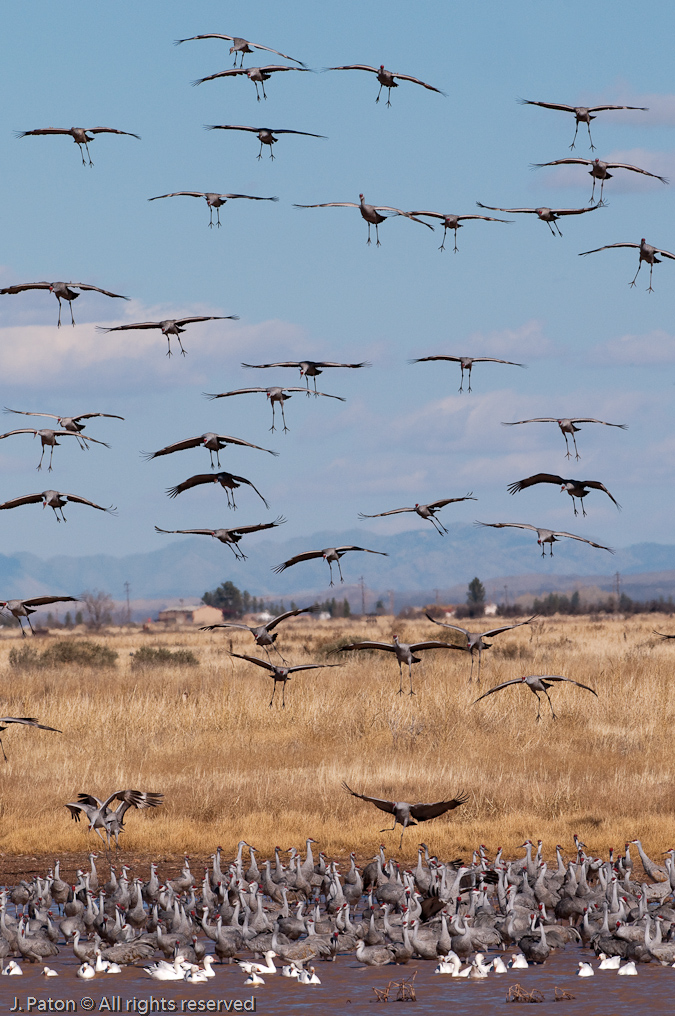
(127,587)
(391,602)
(617,583)
(506,596)
(363,595)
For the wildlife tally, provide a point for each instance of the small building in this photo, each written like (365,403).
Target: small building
(200,614)
(490,609)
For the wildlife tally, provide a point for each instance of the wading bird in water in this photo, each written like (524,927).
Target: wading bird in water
(599,170)
(55,500)
(213,200)
(274,394)
(544,536)
(647,253)
(265,134)
(239,45)
(228,481)
(466,363)
(537,684)
(567,426)
(258,75)
(28,721)
(169,327)
(331,555)
(213,442)
(230,537)
(62,291)
(386,78)
(80,136)
(282,674)
(24,608)
(371,213)
(575,488)
(262,633)
(454,222)
(582,114)
(48,440)
(403,651)
(425,511)
(308,368)
(101,816)
(548,215)
(409,814)
(474,639)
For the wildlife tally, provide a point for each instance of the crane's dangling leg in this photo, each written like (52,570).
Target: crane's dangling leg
(39,467)
(368,240)
(400,689)
(651,269)
(218,217)
(442,247)
(538,717)
(551,704)
(274,691)
(330,565)
(272,427)
(411,687)
(588,125)
(59,321)
(480,656)
(3,749)
(283,695)
(400,845)
(340,570)
(456,228)
(262,85)
(79,145)
(72,319)
(86,145)
(438,526)
(471,671)
(51,452)
(575,135)
(283,418)
(377,231)
(593,191)
(575,447)
(637,273)
(278,654)
(211,217)
(461,383)
(388,830)
(259,156)
(379,94)
(568,453)
(256,91)
(469,369)
(389,88)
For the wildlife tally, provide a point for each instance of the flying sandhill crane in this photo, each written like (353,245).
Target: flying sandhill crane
(69,423)
(548,215)
(274,394)
(371,213)
(48,440)
(567,426)
(169,327)
(537,684)
(599,170)
(213,442)
(466,363)
(265,134)
(403,651)
(262,633)
(474,639)
(101,816)
(282,674)
(258,75)
(228,481)
(28,721)
(24,608)
(454,222)
(544,536)
(239,45)
(582,114)
(575,488)
(386,78)
(425,511)
(409,814)
(331,555)
(230,537)
(62,291)
(55,500)
(80,136)
(307,368)
(213,200)
(647,253)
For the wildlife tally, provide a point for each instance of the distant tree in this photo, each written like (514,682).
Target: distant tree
(475,598)
(79,619)
(346,609)
(68,621)
(99,606)
(227,598)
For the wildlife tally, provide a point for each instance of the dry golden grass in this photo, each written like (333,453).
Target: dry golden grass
(232,768)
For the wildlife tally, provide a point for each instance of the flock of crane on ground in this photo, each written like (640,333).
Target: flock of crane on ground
(447,913)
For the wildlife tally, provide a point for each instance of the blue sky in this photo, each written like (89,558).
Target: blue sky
(305,284)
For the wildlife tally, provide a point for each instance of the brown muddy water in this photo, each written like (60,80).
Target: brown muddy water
(346,988)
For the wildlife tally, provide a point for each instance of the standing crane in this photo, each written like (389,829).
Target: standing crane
(474,639)
(24,608)
(230,537)
(212,199)
(265,134)
(548,215)
(425,511)
(274,394)
(536,684)
(582,114)
(331,555)
(371,213)
(466,363)
(258,75)
(80,136)
(386,78)
(239,46)
(409,814)
(567,426)
(282,674)
(599,170)
(403,651)
(308,368)
(544,536)
(647,253)
(575,488)
(62,291)
(169,327)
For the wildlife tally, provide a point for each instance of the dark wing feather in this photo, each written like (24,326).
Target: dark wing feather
(596,485)
(254,659)
(291,613)
(557,677)
(307,556)
(38,601)
(506,627)
(497,687)
(513,488)
(423,812)
(379,802)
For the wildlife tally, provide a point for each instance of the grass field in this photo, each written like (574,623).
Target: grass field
(232,768)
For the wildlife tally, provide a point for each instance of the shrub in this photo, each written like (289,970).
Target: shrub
(149,657)
(84,654)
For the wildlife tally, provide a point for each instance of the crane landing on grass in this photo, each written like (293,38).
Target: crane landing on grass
(409,814)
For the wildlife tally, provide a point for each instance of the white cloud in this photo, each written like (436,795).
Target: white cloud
(640,350)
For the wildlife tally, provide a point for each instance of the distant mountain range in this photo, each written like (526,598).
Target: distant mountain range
(421,567)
